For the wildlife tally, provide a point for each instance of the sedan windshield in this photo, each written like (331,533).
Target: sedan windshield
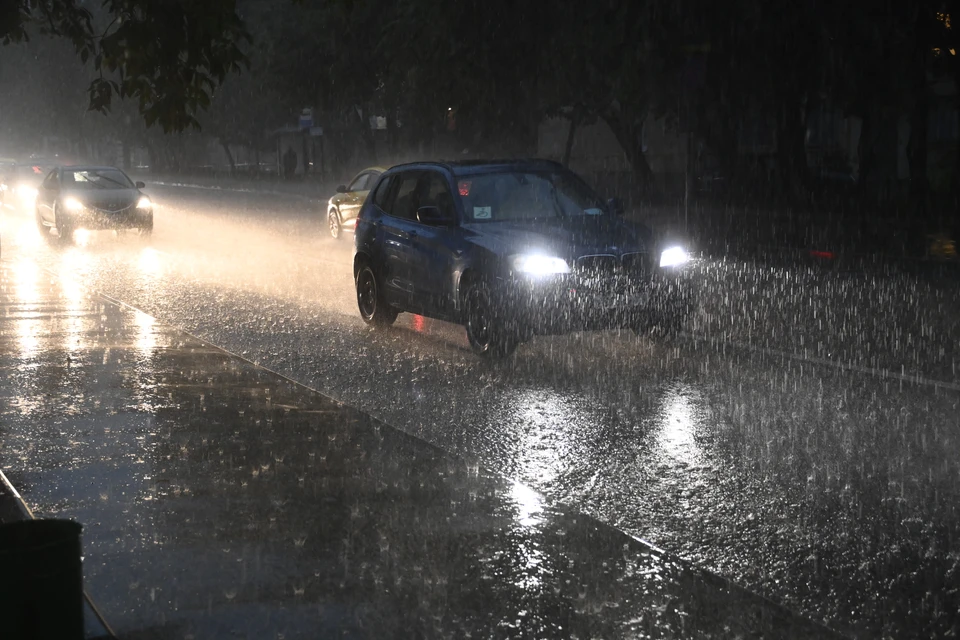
(32,173)
(525,195)
(95,179)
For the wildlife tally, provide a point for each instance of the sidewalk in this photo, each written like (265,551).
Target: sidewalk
(308,189)
(717,231)
(221,500)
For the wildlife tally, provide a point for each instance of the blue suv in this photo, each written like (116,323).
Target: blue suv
(509,249)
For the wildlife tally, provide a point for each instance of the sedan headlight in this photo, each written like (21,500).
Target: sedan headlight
(144,203)
(674,257)
(540,265)
(27,194)
(72,204)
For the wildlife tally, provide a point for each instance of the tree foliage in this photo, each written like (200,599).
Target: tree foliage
(717,70)
(166,56)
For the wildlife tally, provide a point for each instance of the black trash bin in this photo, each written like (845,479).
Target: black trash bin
(41,580)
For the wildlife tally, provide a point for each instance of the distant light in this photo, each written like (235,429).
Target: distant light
(829,255)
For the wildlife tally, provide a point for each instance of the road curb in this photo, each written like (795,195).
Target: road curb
(13,508)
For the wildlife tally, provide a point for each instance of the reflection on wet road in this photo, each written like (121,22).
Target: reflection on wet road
(828,490)
(221,500)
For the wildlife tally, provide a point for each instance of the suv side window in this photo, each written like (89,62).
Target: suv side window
(435,192)
(404,203)
(381,197)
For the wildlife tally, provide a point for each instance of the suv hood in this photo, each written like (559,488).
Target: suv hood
(565,238)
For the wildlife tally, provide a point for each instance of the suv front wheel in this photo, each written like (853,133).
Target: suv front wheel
(486,332)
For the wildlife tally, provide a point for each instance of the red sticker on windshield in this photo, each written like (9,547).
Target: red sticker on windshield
(464,187)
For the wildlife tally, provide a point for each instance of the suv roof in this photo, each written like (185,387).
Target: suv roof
(88,167)
(468,167)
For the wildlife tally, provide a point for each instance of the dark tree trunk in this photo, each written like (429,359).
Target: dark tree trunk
(226,150)
(629,135)
(865,153)
(393,138)
(919,119)
(917,153)
(574,121)
(369,141)
(956,166)
(791,147)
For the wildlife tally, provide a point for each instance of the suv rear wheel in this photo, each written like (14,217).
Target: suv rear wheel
(373,308)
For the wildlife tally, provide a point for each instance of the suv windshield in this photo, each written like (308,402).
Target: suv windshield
(526,195)
(95,179)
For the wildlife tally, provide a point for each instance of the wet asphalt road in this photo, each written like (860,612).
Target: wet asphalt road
(800,438)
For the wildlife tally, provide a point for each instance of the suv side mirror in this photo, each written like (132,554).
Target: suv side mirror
(140,184)
(434,217)
(616,206)
(341,188)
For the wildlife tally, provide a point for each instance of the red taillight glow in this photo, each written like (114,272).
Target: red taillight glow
(829,255)
(464,187)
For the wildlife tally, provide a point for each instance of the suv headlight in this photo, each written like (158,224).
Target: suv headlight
(144,203)
(540,265)
(674,257)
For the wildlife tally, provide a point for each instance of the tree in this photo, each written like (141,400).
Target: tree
(166,56)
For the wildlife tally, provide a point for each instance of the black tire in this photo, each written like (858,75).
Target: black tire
(64,229)
(42,228)
(486,332)
(334,224)
(146,229)
(373,308)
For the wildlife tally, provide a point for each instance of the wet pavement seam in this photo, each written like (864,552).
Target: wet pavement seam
(882,374)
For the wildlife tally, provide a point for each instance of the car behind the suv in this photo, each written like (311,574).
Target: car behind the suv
(509,249)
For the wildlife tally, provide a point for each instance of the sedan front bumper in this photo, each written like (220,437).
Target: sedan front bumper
(96,219)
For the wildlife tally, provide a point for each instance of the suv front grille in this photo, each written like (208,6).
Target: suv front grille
(609,272)
(635,264)
(598,266)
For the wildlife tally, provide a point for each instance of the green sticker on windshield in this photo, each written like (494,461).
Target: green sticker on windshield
(482,213)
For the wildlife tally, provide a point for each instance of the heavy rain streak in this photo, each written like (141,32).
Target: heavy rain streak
(617,319)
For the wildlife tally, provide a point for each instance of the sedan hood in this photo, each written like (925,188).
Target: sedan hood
(566,238)
(105,199)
